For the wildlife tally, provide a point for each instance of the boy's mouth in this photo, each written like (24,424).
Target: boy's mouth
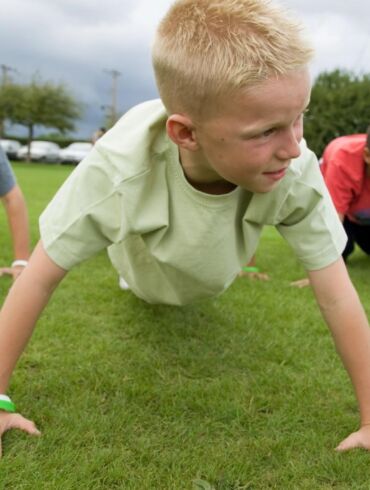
(277,174)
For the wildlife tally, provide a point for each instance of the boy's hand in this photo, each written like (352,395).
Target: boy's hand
(360,439)
(16,421)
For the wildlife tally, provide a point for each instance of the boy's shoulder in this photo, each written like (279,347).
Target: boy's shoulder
(135,141)
(139,123)
(149,110)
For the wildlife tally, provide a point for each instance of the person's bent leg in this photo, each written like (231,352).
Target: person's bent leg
(361,235)
(348,227)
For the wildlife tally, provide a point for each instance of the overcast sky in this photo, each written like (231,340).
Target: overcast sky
(77,41)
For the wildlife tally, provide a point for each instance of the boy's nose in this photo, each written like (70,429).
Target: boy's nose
(289,148)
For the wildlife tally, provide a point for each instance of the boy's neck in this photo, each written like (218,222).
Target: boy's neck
(200,177)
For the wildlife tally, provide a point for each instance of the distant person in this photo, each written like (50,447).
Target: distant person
(98,134)
(346,170)
(179,191)
(15,207)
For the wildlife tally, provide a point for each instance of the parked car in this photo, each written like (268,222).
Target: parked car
(11,148)
(41,151)
(75,152)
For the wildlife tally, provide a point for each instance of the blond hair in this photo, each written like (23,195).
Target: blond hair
(205,49)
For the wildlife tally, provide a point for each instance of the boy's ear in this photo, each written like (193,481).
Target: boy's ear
(181,130)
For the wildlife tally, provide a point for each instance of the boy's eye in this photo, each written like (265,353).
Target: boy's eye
(266,133)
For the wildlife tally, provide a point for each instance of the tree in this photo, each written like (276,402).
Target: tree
(339,105)
(46,104)
(10,99)
(39,104)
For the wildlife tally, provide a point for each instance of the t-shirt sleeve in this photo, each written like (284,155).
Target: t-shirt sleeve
(85,216)
(309,221)
(7,178)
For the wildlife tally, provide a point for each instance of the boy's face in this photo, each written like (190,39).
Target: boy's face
(253,139)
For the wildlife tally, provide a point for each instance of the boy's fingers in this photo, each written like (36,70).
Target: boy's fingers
(351,442)
(19,422)
(16,421)
(346,445)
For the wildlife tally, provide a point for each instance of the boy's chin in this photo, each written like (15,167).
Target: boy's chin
(261,189)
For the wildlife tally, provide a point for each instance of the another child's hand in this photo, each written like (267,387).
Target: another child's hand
(301,283)
(359,439)
(14,272)
(259,276)
(16,421)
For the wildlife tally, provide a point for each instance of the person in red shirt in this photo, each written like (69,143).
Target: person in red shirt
(345,166)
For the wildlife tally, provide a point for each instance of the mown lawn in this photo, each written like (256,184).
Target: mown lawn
(241,392)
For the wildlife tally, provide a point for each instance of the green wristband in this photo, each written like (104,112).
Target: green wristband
(247,268)
(6,404)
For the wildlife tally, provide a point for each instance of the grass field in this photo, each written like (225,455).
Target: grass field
(241,392)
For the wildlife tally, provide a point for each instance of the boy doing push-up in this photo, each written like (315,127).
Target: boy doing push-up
(181,187)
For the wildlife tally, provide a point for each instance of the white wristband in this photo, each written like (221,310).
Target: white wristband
(19,263)
(5,398)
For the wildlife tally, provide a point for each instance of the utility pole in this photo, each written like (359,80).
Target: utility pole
(114,111)
(5,69)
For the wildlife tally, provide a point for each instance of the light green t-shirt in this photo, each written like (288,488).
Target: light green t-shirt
(172,243)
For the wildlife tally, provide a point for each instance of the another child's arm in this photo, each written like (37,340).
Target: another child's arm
(252,271)
(20,312)
(16,210)
(343,313)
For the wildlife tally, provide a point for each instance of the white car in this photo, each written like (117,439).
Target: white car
(11,148)
(75,152)
(41,151)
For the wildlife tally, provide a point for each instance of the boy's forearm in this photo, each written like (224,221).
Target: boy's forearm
(352,339)
(17,320)
(23,306)
(342,310)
